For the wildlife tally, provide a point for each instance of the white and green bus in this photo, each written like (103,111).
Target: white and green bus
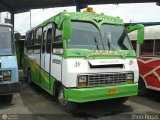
(81,57)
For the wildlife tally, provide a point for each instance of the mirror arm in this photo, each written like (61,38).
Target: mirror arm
(135,27)
(140,28)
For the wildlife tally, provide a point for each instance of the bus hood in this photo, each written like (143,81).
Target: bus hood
(114,63)
(105,62)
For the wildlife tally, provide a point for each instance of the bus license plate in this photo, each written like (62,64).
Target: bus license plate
(112,91)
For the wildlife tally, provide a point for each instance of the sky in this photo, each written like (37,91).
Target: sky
(139,12)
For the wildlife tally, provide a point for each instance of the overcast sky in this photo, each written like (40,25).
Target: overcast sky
(146,12)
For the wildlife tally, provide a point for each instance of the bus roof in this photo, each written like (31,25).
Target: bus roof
(83,16)
(151,32)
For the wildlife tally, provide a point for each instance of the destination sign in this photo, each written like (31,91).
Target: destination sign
(95,17)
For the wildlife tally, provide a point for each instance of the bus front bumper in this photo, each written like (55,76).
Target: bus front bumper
(9,88)
(81,95)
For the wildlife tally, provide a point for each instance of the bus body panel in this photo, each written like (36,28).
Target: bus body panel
(70,71)
(91,93)
(13,85)
(10,63)
(149,68)
(100,93)
(56,67)
(9,82)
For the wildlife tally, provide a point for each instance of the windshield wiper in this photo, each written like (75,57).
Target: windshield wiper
(93,50)
(110,44)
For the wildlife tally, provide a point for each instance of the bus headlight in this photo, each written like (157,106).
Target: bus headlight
(82,81)
(7,75)
(130,78)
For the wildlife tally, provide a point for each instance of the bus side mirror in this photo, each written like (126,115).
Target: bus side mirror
(140,30)
(67,31)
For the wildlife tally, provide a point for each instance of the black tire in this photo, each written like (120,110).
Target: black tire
(8,98)
(120,100)
(66,105)
(142,91)
(29,77)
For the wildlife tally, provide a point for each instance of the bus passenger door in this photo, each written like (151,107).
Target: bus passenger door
(46,57)
(56,58)
(37,51)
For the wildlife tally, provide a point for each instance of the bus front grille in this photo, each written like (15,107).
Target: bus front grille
(1,76)
(103,79)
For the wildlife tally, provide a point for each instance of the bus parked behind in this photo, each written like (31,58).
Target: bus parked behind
(9,82)
(148,59)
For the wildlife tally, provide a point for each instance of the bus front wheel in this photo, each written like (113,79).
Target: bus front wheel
(67,105)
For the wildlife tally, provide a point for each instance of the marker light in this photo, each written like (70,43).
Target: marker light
(82,81)
(130,78)
(7,75)
(89,9)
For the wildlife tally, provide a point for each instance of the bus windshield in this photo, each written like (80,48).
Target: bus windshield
(115,37)
(85,36)
(5,41)
(108,37)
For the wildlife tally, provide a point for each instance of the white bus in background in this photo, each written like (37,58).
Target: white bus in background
(148,59)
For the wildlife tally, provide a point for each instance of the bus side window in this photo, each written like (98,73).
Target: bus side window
(43,43)
(49,38)
(30,39)
(38,40)
(147,48)
(26,43)
(58,36)
(57,43)
(157,47)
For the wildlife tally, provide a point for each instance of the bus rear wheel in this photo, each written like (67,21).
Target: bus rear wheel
(29,77)
(67,105)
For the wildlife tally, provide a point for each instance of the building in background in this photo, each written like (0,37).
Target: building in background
(5,17)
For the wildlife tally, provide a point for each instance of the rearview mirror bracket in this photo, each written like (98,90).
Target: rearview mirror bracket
(140,28)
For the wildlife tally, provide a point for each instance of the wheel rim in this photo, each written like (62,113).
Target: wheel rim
(61,98)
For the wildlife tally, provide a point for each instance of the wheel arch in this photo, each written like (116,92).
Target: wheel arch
(141,78)
(56,86)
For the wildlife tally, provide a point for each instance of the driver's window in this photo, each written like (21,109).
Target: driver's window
(57,45)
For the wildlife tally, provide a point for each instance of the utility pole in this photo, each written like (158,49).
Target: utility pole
(30,19)
(0,17)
